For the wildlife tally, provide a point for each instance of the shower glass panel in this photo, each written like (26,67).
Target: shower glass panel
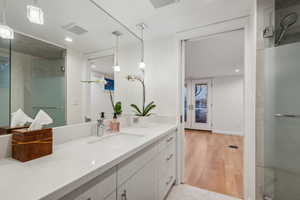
(4,82)
(282,122)
(48,89)
(38,78)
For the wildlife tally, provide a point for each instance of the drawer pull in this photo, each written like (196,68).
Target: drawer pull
(169,158)
(169,139)
(169,181)
(124,195)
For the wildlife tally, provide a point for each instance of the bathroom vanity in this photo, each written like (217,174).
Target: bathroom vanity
(136,164)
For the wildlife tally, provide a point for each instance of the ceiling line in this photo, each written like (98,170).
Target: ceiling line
(118,21)
(214,23)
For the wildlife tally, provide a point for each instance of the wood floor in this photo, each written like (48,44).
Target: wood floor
(212,165)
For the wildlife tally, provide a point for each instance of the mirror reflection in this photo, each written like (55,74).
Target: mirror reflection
(59,56)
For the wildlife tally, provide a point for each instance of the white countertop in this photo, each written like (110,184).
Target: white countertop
(71,165)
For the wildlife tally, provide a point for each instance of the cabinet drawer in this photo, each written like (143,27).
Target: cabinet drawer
(130,166)
(102,187)
(166,169)
(163,143)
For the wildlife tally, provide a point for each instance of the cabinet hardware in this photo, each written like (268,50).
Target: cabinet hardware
(124,195)
(169,158)
(287,115)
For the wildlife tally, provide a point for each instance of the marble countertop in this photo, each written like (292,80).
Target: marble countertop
(72,164)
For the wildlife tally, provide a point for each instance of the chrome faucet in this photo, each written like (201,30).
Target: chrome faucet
(100,125)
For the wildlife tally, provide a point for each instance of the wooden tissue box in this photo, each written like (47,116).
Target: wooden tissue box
(8,130)
(29,145)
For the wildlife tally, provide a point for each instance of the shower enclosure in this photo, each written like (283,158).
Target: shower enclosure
(279,143)
(32,78)
(4,82)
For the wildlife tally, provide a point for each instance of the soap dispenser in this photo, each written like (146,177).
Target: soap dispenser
(115,124)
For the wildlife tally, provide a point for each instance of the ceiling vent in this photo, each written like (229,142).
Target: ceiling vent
(162,3)
(73,28)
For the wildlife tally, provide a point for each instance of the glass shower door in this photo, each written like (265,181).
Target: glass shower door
(282,122)
(48,89)
(4,82)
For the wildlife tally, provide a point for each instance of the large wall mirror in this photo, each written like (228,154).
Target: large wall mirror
(56,61)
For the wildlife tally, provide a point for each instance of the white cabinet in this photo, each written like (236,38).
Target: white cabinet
(166,166)
(141,186)
(147,175)
(102,187)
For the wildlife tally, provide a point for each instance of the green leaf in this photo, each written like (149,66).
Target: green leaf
(137,110)
(118,108)
(148,108)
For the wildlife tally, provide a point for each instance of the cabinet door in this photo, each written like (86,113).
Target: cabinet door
(141,186)
(102,187)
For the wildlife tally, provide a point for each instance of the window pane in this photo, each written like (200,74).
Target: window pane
(201,94)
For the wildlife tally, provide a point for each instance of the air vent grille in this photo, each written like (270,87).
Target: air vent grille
(162,3)
(73,28)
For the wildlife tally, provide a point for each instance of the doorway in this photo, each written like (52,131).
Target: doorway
(214,112)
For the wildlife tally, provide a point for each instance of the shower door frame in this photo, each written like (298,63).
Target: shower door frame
(246,23)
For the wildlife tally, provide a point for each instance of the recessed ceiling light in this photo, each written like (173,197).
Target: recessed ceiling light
(237,70)
(68,39)
(35,14)
(6,32)
(93,66)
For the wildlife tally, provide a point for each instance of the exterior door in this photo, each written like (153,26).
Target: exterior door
(198,106)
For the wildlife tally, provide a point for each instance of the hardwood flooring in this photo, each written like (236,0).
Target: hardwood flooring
(210,164)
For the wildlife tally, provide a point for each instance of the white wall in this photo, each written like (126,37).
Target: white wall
(227,110)
(161,76)
(100,99)
(199,52)
(76,91)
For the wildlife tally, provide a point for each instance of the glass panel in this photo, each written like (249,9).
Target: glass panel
(282,122)
(201,94)
(38,78)
(4,82)
(287,21)
(48,89)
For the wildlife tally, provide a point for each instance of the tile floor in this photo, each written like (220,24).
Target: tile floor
(186,192)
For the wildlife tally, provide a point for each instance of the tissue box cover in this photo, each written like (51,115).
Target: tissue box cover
(4,130)
(29,145)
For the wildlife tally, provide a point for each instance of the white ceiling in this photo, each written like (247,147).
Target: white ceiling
(59,13)
(161,22)
(218,55)
(176,17)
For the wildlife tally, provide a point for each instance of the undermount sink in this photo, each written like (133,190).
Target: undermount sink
(118,138)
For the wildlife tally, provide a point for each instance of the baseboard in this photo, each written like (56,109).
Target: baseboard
(228,132)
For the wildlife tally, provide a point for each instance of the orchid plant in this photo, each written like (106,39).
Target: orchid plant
(145,110)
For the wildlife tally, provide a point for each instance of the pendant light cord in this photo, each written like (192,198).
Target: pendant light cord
(4,12)
(142,41)
(117,51)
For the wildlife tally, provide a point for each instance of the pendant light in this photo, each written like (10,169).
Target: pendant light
(5,31)
(35,14)
(116,66)
(142,64)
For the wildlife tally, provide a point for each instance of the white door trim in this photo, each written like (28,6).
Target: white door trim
(248,24)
